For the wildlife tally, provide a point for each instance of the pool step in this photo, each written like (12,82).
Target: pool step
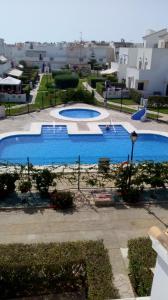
(51,132)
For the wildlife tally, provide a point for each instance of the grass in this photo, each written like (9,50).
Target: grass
(7,104)
(125,109)
(45,99)
(124,101)
(161,110)
(46,79)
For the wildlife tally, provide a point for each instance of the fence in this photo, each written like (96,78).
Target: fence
(42,102)
(73,172)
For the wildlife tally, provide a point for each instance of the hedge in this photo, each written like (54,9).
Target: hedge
(135,95)
(78,95)
(38,269)
(66,81)
(61,72)
(94,80)
(162,101)
(141,259)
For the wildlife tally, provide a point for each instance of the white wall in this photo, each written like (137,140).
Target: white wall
(4,68)
(19,98)
(60,54)
(151,40)
(160,280)
(144,55)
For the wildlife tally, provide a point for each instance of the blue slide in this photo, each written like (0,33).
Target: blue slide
(139,115)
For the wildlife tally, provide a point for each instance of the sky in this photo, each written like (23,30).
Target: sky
(63,20)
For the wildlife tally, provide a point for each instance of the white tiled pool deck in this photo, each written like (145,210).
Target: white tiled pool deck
(32,122)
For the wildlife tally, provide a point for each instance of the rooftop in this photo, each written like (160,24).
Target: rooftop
(9,81)
(15,73)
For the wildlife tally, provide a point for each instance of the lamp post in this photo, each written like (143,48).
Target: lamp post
(121,100)
(133,137)
(123,82)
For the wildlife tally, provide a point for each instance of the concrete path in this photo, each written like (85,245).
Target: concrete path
(34,92)
(114,226)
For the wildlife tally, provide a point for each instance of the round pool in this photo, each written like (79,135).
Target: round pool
(79,113)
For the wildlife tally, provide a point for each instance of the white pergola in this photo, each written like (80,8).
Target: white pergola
(10,82)
(15,73)
(108,71)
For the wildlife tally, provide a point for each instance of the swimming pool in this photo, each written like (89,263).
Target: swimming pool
(55,146)
(79,113)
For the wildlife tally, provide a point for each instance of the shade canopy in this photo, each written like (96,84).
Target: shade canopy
(15,73)
(3,59)
(108,71)
(20,66)
(10,81)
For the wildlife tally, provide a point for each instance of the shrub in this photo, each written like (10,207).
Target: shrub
(94,80)
(66,81)
(62,200)
(100,88)
(25,186)
(141,258)
(31,270)
(26,90)
(78,95)
(118,84)
(44,180)
(112,78)
(7,183)
(131,195)
(135,95)
(61,72)
(104,165)
(160,101)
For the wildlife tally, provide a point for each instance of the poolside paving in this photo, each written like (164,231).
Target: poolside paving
(23,122)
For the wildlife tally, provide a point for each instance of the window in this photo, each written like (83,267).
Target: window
(140,86)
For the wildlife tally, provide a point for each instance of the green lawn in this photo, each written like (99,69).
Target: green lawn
(125,109)
(124,101)
(46,79)
(161,110)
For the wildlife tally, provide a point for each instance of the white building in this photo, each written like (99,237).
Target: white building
(146,69)
(160,280)
(57,55)
(5,65)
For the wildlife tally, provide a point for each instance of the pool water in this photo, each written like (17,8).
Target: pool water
(79,113)
(55,146)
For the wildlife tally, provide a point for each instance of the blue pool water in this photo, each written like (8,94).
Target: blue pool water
(79,113)
(54,145)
